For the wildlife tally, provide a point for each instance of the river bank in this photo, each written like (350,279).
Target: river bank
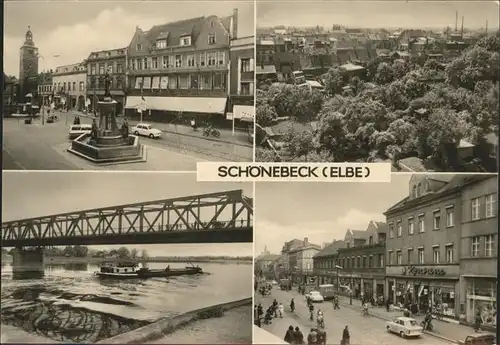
(61,260)
(196,326)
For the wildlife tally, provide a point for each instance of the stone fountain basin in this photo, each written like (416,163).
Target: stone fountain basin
(114,150)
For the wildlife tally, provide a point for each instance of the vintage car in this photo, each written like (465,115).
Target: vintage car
(315,296)
(405,327)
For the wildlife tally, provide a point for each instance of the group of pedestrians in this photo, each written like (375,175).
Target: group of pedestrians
(275,310)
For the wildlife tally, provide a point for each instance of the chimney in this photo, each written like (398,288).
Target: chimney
(234,24)
(456,21)
(462,28)
(306,241)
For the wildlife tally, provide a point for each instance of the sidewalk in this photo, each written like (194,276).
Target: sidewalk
(445,330)
(226,135)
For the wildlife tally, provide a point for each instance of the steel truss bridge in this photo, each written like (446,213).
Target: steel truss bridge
(224,217)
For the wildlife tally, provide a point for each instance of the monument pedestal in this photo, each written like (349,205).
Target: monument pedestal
(109,146)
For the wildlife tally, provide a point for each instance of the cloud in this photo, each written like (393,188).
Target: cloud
(274,235)
(73,43)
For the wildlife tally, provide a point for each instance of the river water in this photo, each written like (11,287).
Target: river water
(71,305)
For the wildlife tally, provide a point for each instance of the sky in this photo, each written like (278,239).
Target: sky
(31,194)
(378,14)
(71,30)
(321,212)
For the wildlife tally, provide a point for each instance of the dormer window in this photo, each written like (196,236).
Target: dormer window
(211,38)
(212,24)
(138,47)
(108,54)
(185,41)
(161,44)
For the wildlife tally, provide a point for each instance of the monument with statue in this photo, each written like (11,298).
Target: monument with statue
(108,143)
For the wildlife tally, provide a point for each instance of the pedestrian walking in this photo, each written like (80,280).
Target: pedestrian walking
(299,337)
(477,324)
(290,336)
(346,337)
(281,310)
(312,338)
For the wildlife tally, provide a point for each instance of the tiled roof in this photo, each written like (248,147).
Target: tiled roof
(331,249)
(265,69)
(381,226)
(176,30)
(455,181)
(359,234)
(107,53)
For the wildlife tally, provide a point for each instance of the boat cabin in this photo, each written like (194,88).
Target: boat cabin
(111,267)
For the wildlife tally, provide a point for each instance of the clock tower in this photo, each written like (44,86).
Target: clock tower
(28,65)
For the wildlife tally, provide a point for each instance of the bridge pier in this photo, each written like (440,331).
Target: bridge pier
(27,263)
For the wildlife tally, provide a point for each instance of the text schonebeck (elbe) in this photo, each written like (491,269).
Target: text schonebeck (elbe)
(292,171)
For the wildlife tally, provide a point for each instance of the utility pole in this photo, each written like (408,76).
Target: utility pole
(43,100)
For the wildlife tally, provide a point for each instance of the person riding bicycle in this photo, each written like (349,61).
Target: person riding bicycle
(365,308)
(427,320)
(320,319)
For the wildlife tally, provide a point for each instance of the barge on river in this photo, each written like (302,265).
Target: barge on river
(123,270)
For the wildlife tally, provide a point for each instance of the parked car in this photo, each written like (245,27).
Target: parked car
(76,130)
(405,327)
(479,339)
(146,130)
(315,296)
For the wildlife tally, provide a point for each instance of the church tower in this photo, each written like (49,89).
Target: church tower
(28,65)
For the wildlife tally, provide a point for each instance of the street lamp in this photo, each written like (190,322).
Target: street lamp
(43,94)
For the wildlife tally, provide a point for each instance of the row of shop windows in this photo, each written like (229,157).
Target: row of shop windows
(480,299)
(204,81)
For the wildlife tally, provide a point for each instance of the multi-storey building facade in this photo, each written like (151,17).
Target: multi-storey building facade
(423,244)
(325,262)
(113,62)
(241,80)
(45,88)
(28,68)
(69,85)
(356,263)
(478,250)
(301,261)
(265,265)
(363,269)
(181,69)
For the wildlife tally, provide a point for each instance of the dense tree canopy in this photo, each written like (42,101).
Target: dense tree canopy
(422,108)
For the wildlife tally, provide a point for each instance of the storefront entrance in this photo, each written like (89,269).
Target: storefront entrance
(482,300)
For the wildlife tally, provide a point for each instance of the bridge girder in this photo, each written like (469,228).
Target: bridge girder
(124,222)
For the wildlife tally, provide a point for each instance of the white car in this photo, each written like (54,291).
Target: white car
(315,296)
(405,327)
(146,130)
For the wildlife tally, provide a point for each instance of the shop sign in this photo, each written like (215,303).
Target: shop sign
(417,271)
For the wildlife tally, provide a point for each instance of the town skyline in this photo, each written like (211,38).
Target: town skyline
(327,210)
(89,21)
(379,14)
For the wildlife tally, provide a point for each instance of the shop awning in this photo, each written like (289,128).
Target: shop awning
(179,104)
(243,112)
